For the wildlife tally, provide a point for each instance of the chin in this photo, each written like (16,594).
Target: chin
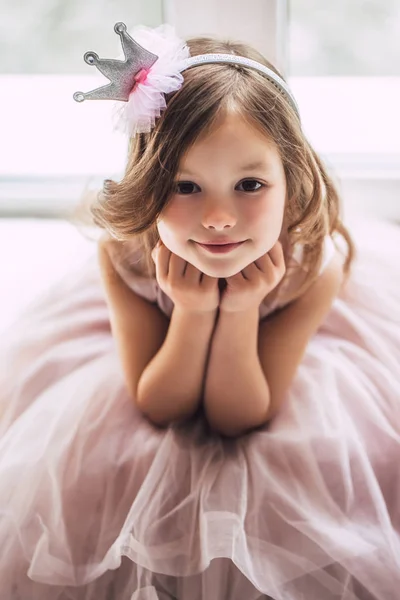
(221,273)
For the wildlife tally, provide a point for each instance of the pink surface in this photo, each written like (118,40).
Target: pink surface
(95,503)
(35,254)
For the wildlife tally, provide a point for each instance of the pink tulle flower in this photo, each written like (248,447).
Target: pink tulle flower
(147,99)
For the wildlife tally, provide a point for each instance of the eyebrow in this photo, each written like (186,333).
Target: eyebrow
(259,164)
(253,166)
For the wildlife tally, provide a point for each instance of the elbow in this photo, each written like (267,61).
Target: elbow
(156,416)
(164,422)
(163,413)
(235,432)
(275,404)
(156,420)
(150,410)
(230,428)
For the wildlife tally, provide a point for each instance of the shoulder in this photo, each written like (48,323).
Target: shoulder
(328,250)
(301,317)
(127,259)
(297,276)
(283,338)
(327,285)
(125,256)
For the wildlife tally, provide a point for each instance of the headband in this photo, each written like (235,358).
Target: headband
(153,66)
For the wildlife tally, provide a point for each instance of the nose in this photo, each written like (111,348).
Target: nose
(218,216)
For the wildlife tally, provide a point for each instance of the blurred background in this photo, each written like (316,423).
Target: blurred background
(342,61)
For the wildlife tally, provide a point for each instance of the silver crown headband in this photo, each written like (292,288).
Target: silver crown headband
(144,77)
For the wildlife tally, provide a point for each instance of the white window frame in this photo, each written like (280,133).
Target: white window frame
(369,171)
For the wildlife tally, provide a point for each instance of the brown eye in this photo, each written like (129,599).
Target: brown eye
(186,188)
(250,185)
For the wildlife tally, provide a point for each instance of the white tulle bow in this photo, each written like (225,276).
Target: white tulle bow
(147,100)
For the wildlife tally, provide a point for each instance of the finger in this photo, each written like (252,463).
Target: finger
(206,281)
(239,277)
(263,263)
(193,274)
(177,267)
(253,269)
(276,254)
(163,255)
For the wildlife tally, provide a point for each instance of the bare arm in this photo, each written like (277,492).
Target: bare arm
(236,396)
(163,361)
(171,386)
(283,339)
(252,366)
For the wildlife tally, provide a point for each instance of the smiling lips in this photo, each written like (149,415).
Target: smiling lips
(220,242)
(220,248)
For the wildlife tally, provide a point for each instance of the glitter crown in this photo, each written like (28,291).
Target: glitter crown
(122,74)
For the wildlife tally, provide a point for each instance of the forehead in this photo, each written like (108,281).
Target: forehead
(231,139)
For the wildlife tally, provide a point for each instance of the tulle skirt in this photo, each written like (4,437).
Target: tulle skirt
(96,503)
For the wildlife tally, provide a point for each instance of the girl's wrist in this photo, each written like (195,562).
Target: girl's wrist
(196,313)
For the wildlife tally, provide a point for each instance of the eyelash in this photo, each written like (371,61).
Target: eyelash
(261,185)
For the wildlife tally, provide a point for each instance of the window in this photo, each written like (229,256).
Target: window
(355,39)
(344,66)
(51,146)
(341,60)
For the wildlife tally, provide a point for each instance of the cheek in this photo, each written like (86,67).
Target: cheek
(174,228)
(270,214)
(267,226)
(177,217)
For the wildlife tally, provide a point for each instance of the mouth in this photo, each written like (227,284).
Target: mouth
(220,248)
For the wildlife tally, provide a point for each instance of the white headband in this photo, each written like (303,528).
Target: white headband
(153,64)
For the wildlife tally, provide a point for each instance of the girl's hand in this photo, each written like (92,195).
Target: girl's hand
(188,288)
(248,288)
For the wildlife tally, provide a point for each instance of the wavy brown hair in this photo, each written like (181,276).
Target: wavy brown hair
(129,209)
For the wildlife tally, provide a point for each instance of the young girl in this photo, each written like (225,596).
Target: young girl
(209,408)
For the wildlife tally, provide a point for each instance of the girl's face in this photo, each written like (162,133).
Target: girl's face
(231,184)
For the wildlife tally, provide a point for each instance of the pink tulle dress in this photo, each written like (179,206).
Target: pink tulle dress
(97,504)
